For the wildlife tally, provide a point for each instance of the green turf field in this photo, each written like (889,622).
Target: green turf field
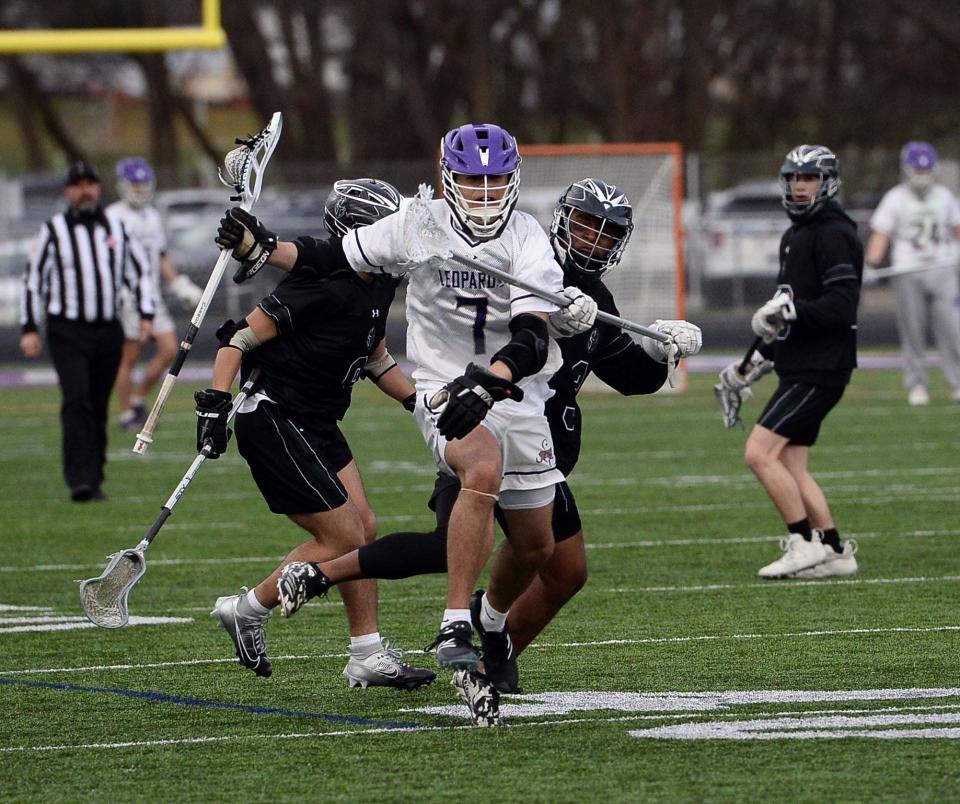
(832,690)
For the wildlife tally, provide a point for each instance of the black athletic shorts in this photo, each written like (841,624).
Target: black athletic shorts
(294,467)
(797,409)
(566,517)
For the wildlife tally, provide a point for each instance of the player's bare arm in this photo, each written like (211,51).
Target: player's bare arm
(235,341)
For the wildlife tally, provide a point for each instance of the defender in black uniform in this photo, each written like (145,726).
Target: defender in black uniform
(809,331)
(319,332)
(592,224)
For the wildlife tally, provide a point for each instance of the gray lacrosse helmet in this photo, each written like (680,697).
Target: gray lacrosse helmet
(606,217)
(358,202)
(809,160)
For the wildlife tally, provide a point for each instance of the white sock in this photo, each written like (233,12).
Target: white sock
(256,605)
(452,615)
(490,618)
(365,642)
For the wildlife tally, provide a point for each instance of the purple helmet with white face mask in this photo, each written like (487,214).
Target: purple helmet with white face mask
(917,162)
(480,171)
(135,181)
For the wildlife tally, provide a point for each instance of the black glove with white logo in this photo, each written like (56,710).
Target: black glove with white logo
(463,403)
(249,240)
(213,408)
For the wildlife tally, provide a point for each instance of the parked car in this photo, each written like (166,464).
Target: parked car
(739,241)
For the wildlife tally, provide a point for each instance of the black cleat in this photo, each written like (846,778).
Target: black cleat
(454,648)
(499,660)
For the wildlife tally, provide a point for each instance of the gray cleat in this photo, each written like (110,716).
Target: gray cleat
(384,667)
(246,632)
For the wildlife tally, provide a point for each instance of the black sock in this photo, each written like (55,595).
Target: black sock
(802,527)
(831,537)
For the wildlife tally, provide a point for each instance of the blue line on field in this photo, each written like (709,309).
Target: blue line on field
(160,697)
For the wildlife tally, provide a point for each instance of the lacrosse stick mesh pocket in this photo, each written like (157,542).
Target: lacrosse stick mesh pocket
(104,599)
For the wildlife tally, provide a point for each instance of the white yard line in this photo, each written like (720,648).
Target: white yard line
(734,637)
(643,543)
(266,738)
(79,623)
(535,645)
(785,584)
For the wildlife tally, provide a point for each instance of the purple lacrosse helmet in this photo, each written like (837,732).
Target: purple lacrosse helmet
(487,151)
(135,181)
(917,161)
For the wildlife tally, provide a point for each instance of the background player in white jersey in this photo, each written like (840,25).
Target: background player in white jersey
(460,318)
(922,218)
(135,184)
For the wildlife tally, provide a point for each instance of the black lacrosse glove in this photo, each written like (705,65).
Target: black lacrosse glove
(249,240)
(410,403)
(213,407)
(466,400)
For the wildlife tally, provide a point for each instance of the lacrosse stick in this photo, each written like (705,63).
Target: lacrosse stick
(874,276)
(556,298)
(731,399)
(104,598)
(242,171)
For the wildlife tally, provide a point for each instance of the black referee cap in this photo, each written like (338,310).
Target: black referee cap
(81,169)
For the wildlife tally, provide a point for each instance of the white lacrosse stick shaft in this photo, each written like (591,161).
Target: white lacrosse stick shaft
(248,188)
(556,298)
(904,270)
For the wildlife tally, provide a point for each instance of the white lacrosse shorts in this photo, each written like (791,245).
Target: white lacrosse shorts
(130,317)
(526,446)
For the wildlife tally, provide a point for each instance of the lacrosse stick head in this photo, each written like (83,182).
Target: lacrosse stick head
(730,400)
(104,598)
(243,167)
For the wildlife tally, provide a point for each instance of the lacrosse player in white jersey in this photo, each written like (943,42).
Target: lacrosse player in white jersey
(922,218)
(483,353)
(135,184)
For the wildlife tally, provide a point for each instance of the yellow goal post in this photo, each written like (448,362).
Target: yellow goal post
(208,35)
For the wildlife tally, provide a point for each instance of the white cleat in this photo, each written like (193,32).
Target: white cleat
(918,396)
(837,564)
(798,554)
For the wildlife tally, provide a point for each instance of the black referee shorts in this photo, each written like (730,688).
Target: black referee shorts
(294,467)
(797,409)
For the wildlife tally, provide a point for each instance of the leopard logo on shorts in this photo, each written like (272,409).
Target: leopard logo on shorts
(370,337)
(546,453)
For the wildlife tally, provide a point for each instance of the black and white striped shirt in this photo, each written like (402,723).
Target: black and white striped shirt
(77,266)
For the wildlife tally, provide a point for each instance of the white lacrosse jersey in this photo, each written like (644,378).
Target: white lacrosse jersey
(457,315)
(145,225)
(921,228)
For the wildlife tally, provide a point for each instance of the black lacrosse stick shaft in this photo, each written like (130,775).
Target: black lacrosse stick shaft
(745,363)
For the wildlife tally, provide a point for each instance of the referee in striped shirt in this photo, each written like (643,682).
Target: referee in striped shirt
(79,261)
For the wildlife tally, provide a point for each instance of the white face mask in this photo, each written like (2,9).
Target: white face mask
(919,180)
